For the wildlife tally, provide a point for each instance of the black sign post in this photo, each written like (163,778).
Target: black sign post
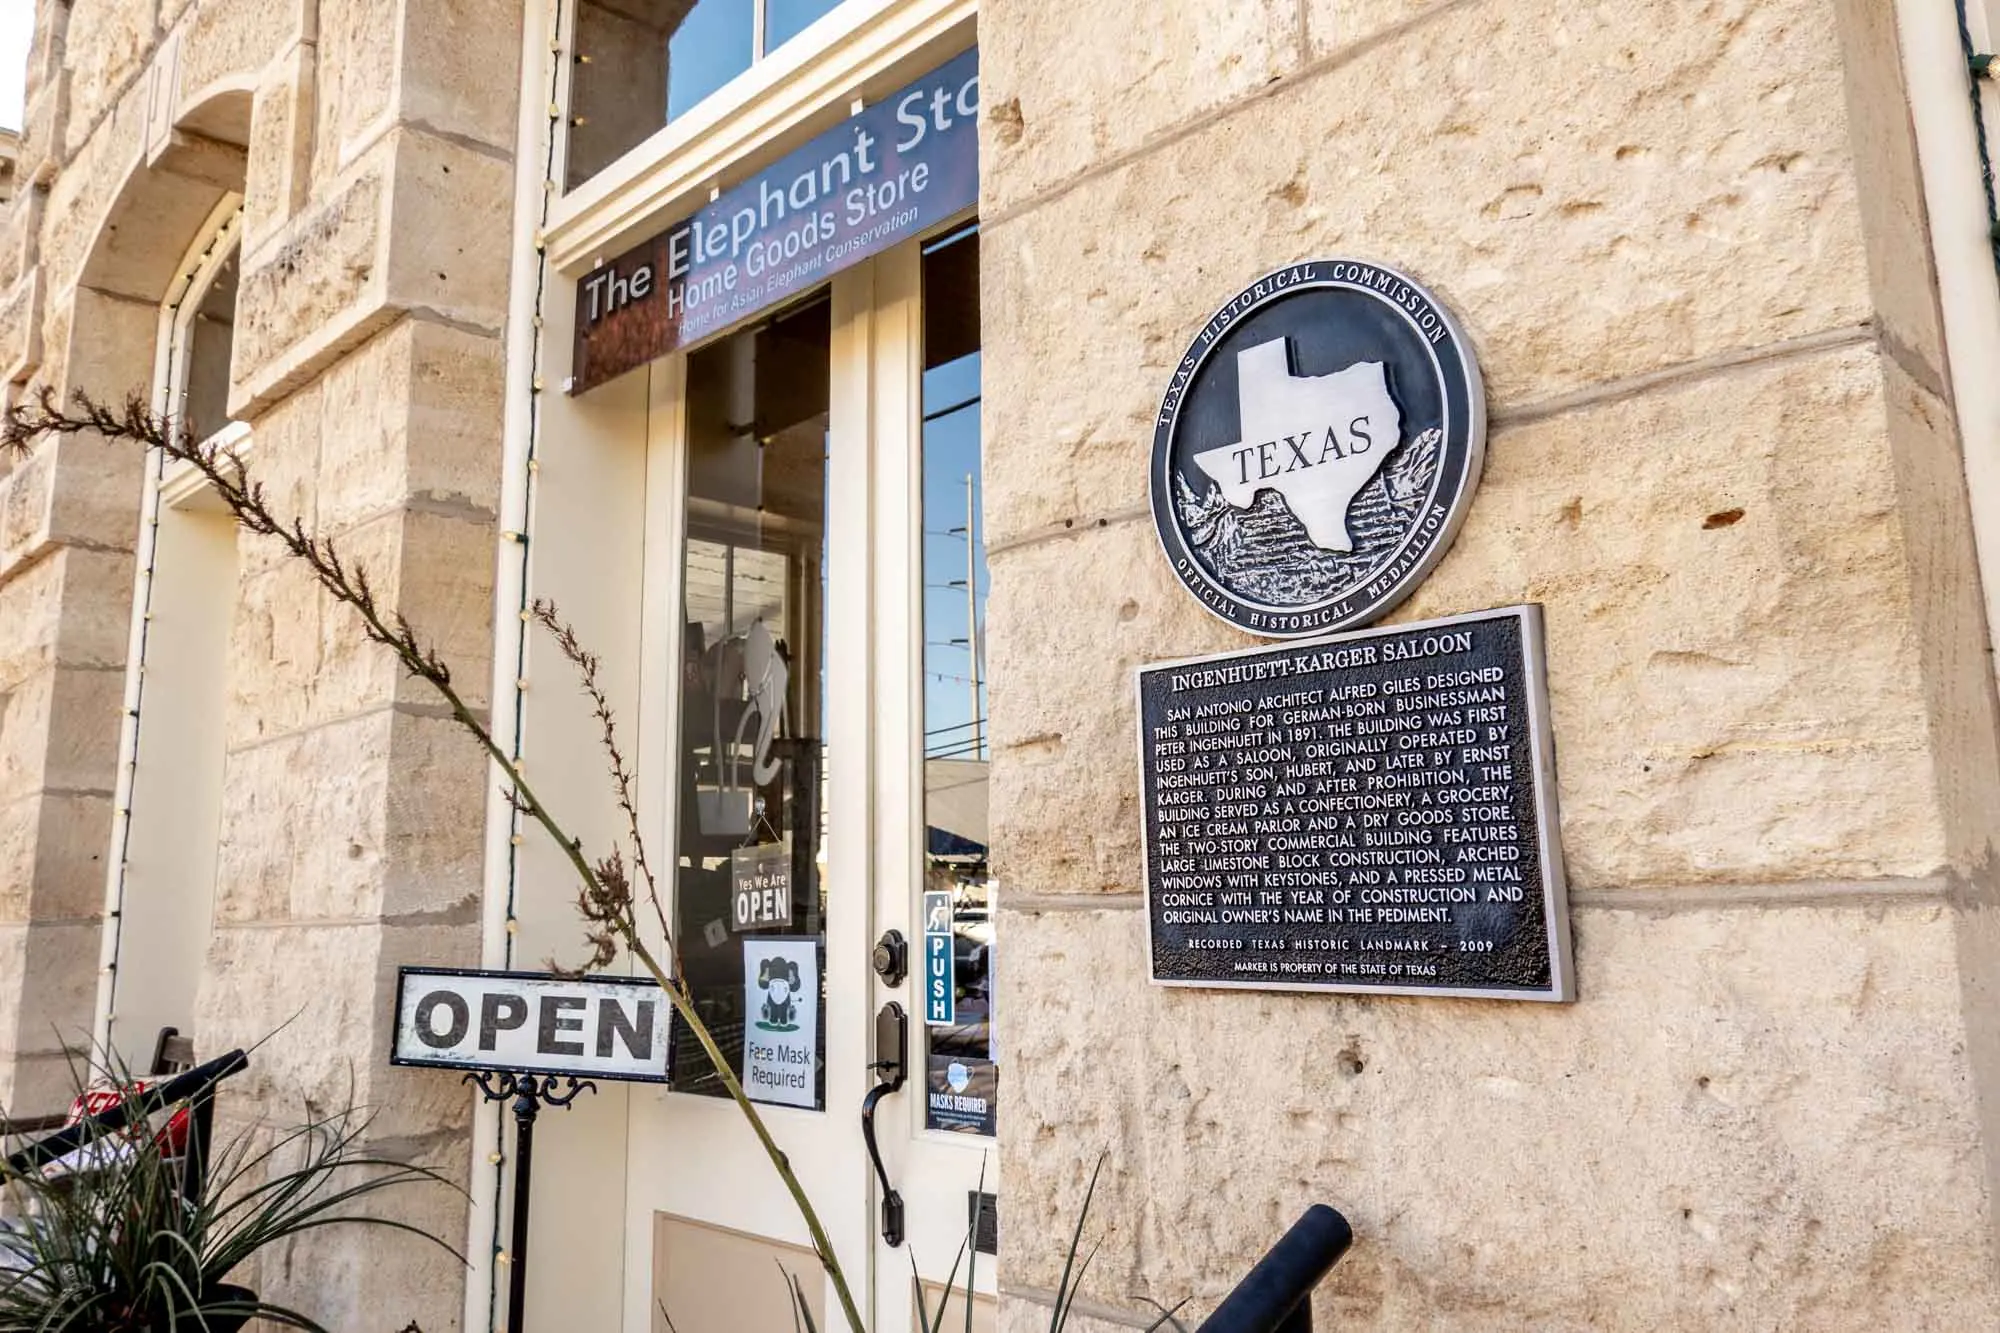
(1370,812)
(535,1038)
(529,1092)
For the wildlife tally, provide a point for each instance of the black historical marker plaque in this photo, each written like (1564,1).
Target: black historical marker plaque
(1317,448)
(1365,812)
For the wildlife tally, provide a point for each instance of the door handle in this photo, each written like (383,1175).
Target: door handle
(892,1045)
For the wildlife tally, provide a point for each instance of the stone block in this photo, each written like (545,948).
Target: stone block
(451,230)
(303,659)
(21,329)
(1774,1132)
(53,847)
(85,707)
(1948,612)
(96,595)
(24,737)
(30,609)
(460,71)
(1335,28)
(105,50)
(98,497)
(57,999)
(457,401)
(319,276)
(1662,228)
(225,43)
(1063,87)
(304,825)
(392,239)
(434,826)
(445,588)
(20,837)
(332,985)
(299,659)
(281,125)
(45,128)
(1762,728)
(20,233)
(359,1278)
(414,414)
(24,513)
(1891,194)
(356,76)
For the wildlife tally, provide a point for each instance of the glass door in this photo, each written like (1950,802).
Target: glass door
(757,466)
(817,480)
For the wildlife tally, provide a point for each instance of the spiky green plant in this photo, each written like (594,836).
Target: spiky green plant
(115,1246)
(1067,1287)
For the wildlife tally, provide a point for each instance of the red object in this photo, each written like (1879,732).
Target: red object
(96,1101)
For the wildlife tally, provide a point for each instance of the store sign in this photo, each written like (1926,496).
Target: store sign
(1371,812)
(531,1022)
(883,176)
(1317,448)
(781,1034)
(760,886)
(940,981)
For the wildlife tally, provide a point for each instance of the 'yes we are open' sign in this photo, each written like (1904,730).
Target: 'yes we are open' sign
(532,1022)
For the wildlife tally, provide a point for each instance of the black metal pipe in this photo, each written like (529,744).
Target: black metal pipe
(526,1104)
(198,1082)
(1276,1295)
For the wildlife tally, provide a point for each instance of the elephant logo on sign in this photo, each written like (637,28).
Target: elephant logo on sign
(780,979)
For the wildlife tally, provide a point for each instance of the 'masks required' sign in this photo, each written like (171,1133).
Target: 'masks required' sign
(529,1022)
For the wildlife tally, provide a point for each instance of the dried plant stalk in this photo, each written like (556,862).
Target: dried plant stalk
(606,898)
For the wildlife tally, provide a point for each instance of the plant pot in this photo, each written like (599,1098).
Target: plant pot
(228,1323)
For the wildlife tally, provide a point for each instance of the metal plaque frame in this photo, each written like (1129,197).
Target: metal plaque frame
(1541,746)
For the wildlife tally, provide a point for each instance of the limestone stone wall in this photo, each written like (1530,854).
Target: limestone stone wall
(371,142)
(1687,242)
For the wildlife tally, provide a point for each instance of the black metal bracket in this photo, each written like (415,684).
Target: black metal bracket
(530,1092)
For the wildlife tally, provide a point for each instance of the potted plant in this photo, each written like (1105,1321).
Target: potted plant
(110,1239)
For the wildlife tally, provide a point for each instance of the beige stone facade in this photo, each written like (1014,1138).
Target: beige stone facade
(367,363)
(1688,245)
(1724,267)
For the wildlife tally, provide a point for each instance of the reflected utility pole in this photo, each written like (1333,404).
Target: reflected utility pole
(971,534)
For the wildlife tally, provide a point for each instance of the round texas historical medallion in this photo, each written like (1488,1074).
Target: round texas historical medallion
(1317,448)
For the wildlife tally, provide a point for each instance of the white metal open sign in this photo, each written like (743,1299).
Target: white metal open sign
(531,1022)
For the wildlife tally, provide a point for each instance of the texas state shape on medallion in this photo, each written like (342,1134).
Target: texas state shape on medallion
(1314,439)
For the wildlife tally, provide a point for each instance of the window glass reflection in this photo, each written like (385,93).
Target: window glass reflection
(963,1058)
(641,64)
(786,19)
(711,46)
(750,890)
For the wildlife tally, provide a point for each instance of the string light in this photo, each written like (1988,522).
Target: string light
(519,538)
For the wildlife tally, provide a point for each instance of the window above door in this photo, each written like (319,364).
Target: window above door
(643,64)
(631,168)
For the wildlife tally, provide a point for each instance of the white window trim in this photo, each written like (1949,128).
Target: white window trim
(183,486)
(179,487)
(860,50)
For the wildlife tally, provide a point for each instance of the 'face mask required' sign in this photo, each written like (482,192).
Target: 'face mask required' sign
(883,176)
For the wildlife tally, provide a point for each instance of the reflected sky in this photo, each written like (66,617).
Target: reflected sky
(786,19)
(711,47)
(951,454)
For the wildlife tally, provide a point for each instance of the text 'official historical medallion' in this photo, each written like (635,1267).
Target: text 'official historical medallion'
(1317,448)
